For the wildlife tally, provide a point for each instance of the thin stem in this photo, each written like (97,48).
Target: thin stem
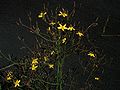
(6,57)
(110,35)
(25,45)
(8,66)
(104,28)
(33,31)
(91,25)
(50,83)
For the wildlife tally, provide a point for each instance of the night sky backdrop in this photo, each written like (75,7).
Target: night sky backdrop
(87,11)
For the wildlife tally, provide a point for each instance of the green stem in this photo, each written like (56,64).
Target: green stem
(59,75)
(57,88)
(59,64)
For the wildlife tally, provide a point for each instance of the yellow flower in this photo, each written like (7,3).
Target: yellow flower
(9,78)
(45,58)
(62,27)
(34,67)
(80,34)
(96,66)
(52,52)
(51,65)
(49,29)
(17,83)
(97,78)
(91,54)
(42,14)
(9,75)
(63,40)
(35,61)
(52,23)
(71,28)
(63,13)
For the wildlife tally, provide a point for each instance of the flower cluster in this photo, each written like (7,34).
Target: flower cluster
(10,77)
(63,13)
(34,64)
(62,27)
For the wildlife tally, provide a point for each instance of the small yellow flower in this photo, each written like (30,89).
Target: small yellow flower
(97,78)
(17,83)
(96,66)
(45,58)
(34,67)
(91,54)
(62,27)
(63,40)
(49,29)
(42,14)
(52,52)
(51,65)
(52,23)
(35,61)
(63,14)
(71,28)
(9,78)
(9,75)
(80,34)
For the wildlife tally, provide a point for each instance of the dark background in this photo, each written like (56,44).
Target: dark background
(87,11)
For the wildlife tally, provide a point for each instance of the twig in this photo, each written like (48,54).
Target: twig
(26,45)
(8,66)
(33,31)
(6,57)
(93,24)
(104,28)
(46,82)
(110,35)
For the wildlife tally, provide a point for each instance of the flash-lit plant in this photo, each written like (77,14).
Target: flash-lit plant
(60,38)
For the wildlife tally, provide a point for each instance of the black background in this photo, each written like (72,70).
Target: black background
(87,11)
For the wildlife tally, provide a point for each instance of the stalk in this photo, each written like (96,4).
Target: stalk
(59,66)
